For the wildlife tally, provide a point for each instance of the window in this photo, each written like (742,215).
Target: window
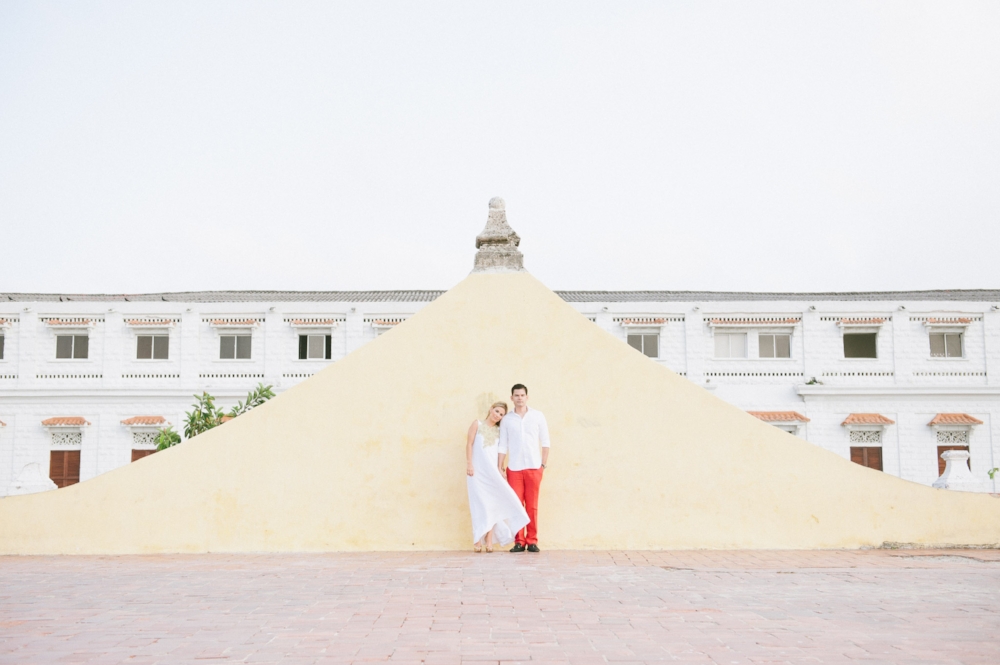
(234,347)
(951,440)
(64,467)
(860,345)
(946,345)
(315,347)
(1,347)
(152,347)
(775,345)
(72,346)
(869,456)
(138,454)
(646,344)
(730,345)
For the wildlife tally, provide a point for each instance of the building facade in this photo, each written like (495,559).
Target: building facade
(890,380)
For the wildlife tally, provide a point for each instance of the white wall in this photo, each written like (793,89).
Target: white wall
(904,383)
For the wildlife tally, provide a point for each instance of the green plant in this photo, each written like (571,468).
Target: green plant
(993,472)
(203,417)
(255,398)
(167,438)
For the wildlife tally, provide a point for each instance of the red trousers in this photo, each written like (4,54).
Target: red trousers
(525,484)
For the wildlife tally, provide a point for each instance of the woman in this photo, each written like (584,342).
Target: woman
(497,513)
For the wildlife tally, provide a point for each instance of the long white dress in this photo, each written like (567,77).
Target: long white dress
(493,504)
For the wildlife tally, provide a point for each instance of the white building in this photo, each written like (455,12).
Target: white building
(887,379)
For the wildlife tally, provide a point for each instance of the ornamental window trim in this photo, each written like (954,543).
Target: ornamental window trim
(955,435)
(66,436)
(865,436)
(70,324)
(948,323)
(777,323)
(640,324)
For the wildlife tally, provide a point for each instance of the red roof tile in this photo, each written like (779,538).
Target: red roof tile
(862,322)
(754,322)
(385,322)
(68,322)
(226,419)
(643,322)
(145,420)
(955,419)
(65,421)
(149,322)
(226,322)
(2,424)
(779,416)
(958,321)
(304,322)
(867,419)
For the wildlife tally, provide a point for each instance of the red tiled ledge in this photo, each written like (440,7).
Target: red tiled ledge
(144,420)
(862,322)
(867,419)
(954,419)
(65,421)
(737,322)
(779,416)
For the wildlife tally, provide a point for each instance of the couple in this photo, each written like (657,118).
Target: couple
(501,509)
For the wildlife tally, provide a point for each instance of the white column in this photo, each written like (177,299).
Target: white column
(273,360)
(695,346)
(190,350)
(354,327)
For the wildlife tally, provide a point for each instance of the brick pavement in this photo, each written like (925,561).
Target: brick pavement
(899,606)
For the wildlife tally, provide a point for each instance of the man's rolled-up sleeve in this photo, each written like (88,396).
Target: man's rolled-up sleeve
(543,433)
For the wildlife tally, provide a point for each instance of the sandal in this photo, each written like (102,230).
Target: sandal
(489,549)
(477,548)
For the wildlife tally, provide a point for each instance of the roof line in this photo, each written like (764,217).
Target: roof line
(427,295)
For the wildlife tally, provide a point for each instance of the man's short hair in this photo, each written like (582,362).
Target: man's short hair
(519,386)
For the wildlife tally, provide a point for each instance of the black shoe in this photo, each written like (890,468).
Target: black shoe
(533,548)
(518,547)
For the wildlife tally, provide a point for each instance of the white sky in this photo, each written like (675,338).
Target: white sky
(332,145)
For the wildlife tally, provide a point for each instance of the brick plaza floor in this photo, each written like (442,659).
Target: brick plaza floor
(879,606)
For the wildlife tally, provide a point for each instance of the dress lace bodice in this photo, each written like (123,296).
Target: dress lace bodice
(491,434)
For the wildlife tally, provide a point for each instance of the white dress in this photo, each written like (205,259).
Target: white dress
(491,500)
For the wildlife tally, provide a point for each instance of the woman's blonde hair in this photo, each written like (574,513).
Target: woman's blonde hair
(495,405)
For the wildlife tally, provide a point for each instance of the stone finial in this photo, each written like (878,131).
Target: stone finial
(497,244)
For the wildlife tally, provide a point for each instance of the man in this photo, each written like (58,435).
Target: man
(522,431)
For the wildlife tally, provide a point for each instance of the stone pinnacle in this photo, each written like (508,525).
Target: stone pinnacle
(497,244)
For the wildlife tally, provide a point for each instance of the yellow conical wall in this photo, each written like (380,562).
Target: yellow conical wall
(369,455)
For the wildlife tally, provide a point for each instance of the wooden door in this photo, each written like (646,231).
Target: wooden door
(942,463)
(870,456)
(139,454)
(64,467)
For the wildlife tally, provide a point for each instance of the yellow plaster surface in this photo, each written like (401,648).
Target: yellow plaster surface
(369,454)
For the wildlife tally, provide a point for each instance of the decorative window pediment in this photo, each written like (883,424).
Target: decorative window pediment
(954,422)
(652,322)
(782,322)
(145,430)
(789,421)
(854,323)
(944,323)
(151,323)
(870,422)
(66,431)
(235,322)
(314,323)
(70,323)
(383,323)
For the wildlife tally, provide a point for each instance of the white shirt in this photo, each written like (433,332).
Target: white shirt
(520,438)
